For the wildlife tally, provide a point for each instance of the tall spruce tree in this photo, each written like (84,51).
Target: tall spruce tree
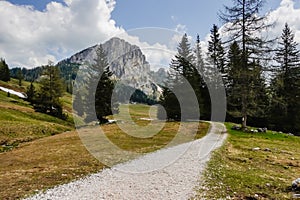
(100,89)
(204,99)
(259,104)
(51,89)
(259,101)
(285,106)
(245,25)
(20,76)
(233,87)
(182,69)
(4,71)
(216,53)
(30,92)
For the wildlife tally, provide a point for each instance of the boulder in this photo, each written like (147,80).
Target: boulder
(235,127)
(296,184)
(256,149)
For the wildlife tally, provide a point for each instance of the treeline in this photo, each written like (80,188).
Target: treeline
(67,72)
(262,83)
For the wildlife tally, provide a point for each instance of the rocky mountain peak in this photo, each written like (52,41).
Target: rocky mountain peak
(126,61)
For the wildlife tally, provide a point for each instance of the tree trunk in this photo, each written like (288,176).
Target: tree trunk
(244,122)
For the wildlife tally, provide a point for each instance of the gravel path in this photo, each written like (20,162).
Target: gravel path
(146,177)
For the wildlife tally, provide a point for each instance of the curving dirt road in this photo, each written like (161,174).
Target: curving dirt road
(154,176)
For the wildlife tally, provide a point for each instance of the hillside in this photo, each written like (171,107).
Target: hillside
(20,123)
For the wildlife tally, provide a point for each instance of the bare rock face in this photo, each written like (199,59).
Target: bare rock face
(126,61)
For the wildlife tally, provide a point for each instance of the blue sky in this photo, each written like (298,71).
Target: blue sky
(47,30)
(197,16)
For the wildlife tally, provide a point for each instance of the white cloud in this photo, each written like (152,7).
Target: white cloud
(30,38)
(285,13)
(181,28)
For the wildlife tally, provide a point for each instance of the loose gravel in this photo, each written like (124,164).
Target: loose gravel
(171,173)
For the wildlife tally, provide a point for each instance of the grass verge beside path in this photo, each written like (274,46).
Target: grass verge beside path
(236,171)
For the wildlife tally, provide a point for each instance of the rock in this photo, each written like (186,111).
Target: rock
(296,184)
(267,149)
(256,149)
(290,134)
(126,61)
(260,130)
(265,129)
(235,127)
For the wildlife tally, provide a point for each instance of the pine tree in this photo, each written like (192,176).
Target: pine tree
(216,53)
(30,92)
(204,97)
(244,24)
(259,104)
(285,85)
(4,71)
(287,55)
(51,89)
(233,87)
(182,73)
(78,104)
(20,76)
(100,90)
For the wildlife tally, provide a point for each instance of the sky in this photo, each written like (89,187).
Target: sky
(35,31)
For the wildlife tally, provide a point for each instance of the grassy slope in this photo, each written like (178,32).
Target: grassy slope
(57,159)
(19,123)
(238,172)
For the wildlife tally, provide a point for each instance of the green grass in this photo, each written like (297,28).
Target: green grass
(20,123)
(14,84)
(237,171)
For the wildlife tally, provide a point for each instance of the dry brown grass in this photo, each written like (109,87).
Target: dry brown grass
(44,163)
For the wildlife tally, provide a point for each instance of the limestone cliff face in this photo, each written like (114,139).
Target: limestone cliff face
(126,61)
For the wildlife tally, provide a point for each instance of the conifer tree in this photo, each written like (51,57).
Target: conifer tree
(20,76)
(100,89)
(244,25)
(51,89)
(30,92)
(216,53)
(182,70)
(204,99)
(78,104)
(285,85)
(4,71)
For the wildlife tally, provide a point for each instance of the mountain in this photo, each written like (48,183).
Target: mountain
(127,62)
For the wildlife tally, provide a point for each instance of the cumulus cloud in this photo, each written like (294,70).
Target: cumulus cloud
(285,13)
(30,37)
